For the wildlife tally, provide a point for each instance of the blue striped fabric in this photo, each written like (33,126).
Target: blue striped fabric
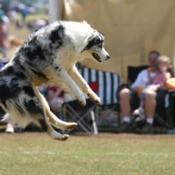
(108,83)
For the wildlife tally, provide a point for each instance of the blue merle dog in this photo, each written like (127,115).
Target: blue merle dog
(49,56)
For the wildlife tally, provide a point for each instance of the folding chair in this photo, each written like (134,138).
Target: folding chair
(85,116)
(105,84)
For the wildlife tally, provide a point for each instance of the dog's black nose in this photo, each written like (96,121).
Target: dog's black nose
(108,57)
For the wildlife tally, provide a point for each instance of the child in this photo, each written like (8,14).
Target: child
(155,83)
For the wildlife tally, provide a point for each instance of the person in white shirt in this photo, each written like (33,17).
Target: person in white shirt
(129,97)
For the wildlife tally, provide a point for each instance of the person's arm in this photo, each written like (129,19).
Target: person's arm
(140,80)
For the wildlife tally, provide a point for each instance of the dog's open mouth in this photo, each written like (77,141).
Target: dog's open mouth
(96,56)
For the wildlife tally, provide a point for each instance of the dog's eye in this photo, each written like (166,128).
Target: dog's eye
(98,41)
(100,45)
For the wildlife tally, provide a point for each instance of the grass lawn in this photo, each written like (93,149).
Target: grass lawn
(104,154)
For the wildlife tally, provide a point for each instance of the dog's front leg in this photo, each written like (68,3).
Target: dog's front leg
(72,85)
(83,85)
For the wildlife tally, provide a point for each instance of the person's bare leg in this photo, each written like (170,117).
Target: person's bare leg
(150,106)
(150,103)
(125,97)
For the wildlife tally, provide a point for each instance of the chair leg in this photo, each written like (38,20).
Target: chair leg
(94,122)
(80,117)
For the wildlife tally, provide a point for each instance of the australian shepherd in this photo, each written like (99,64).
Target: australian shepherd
(49,56)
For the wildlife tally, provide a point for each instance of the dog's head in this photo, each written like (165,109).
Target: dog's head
(95,46)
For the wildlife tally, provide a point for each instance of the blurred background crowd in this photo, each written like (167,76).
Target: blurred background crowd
(17,19)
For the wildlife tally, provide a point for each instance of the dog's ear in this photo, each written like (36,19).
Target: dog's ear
(57,34)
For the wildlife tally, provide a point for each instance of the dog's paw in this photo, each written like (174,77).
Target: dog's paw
(71,125)
(63,138)
(82,103)
(95,98)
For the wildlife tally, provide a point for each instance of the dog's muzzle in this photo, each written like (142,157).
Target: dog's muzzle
(100,57)
(97,57)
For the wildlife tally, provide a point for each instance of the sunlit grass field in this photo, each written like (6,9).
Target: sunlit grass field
(104,154)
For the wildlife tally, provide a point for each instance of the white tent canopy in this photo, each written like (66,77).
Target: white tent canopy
(132,28)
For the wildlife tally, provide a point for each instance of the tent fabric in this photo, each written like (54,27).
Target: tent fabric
(132,28)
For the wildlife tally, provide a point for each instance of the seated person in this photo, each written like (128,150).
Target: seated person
(157,84)
(129,99)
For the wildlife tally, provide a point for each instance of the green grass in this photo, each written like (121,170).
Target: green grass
(105,154)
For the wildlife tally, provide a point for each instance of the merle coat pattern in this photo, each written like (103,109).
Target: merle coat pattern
(49,56)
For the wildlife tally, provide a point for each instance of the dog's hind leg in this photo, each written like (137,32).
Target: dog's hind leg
(44,123)
(32,112)
(29,106)
(54,120)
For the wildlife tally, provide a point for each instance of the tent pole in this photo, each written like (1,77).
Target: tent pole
(174,60)
(55,10)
